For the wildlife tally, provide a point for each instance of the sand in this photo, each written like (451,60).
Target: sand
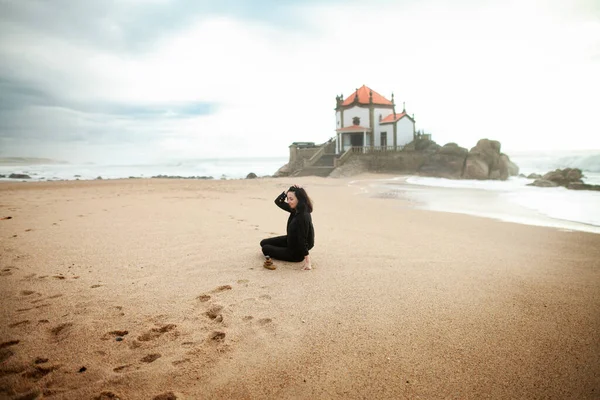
(143,289)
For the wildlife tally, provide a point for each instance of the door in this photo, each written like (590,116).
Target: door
(356,140)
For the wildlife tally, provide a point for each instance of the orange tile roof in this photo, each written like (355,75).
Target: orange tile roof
(363,97)
(354,128)
(390,118)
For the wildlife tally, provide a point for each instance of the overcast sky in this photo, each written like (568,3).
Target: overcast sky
(143,80)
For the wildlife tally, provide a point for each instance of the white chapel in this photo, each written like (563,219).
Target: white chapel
(366,120)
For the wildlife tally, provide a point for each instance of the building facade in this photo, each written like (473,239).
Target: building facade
(367,120)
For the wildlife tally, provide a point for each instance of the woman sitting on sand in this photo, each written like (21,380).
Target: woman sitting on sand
(300,236)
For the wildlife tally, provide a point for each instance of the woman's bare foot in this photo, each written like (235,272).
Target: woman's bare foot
(307,267)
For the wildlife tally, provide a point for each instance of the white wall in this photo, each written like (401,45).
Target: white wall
(405,131)
(389,128)
(362,113)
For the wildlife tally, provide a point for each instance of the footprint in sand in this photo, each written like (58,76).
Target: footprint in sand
(115,334)
(265,321)
(151,358)
(20,323)
(5,354)
(27,292)
(179,362)
(122,368)
(106,395)
(222,288)
(214,312)
(165,396)
(38,372)
(203,298)
(217,336)
(155,333)
(61,331)
(95,286)
(9,343)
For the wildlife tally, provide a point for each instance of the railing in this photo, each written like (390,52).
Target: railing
(342,159)
(314,158)
(374,149)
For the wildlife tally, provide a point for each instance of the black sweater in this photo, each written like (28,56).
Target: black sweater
(300,230)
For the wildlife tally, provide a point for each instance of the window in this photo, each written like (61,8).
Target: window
(383,141)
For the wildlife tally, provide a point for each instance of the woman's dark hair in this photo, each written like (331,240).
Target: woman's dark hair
(304,202)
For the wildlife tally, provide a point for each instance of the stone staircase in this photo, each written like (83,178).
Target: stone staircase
(322,167)
(314,171)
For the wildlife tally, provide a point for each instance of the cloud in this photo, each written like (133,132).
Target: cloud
(142,79)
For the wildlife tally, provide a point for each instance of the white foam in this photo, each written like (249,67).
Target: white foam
(511,201)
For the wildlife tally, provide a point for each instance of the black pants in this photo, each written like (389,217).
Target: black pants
(276,247)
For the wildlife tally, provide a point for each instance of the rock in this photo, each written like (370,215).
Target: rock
(446,162)
(542,183)
(534,176)
(19,176)
(483,161)
(513,169)
(283,171)
(582,186)
(564,177)
(476,168)
(522,176)
(251,175)
(2,176)
(99,178)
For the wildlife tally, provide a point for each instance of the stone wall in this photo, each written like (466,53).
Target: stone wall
(400,161)
(298,155)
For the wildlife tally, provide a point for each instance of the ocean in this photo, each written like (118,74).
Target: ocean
(222,168)
(513,200)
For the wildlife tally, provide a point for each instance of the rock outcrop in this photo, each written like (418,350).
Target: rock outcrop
(19,176)
(582,186)
(563,177)
(542,183)
(485,161)
(447,162)
(425,157)
(283,171)
(251,175)
(571,178)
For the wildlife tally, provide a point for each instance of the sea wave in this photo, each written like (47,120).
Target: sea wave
(587,161)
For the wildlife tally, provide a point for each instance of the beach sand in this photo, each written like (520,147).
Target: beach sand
(143,289)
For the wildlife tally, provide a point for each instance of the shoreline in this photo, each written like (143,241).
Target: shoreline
(376,182)
(474,201)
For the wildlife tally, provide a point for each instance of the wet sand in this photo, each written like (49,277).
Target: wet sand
(142,289)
